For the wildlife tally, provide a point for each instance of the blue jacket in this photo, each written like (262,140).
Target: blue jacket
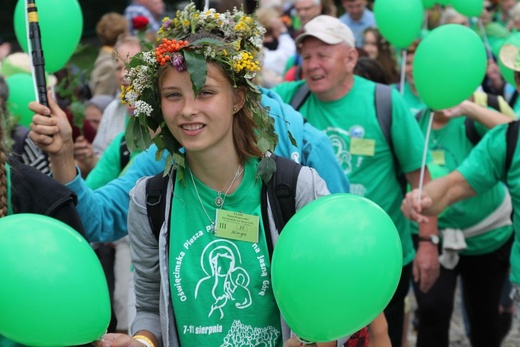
(104,211)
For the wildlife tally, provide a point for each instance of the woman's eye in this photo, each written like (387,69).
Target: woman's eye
(205,93)
(171,95)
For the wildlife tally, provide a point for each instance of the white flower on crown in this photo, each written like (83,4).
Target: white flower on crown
(141,78)
(131,97)
(141,107)
(209,52)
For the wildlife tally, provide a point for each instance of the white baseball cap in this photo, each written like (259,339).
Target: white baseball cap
(328,29)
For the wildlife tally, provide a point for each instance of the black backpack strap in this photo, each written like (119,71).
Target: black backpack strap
(124,154)
(383,103)
(513,99)
(471,131)
(156,188)
(511,141)
(492,101)
(281,190)
(301,95)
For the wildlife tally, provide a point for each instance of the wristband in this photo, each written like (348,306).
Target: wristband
(144,340)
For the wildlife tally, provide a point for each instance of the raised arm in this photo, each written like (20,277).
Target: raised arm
(103,211)
(436,196)
(485,116)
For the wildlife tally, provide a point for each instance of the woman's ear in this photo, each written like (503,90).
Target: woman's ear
(239,97)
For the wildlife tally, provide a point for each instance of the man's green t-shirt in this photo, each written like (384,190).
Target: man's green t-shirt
(414,102)
(221,288)
(484,167)
(449,146)
(361,148)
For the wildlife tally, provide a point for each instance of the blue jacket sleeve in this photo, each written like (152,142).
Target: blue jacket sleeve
(319,154)
(104,211)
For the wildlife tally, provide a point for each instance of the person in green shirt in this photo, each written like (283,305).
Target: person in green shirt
(342,105)
(476,236)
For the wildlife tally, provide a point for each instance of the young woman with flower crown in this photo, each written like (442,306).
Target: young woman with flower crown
(200,285)
(197,90)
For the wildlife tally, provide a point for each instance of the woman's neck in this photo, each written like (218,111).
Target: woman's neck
(216,172)
(439,120)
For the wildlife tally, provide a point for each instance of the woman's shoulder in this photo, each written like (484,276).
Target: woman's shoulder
(138,192)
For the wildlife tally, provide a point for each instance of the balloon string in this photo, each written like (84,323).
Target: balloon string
(485,38)
(403,66)
(425,152)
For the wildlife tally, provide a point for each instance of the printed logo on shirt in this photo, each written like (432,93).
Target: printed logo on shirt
(221,262)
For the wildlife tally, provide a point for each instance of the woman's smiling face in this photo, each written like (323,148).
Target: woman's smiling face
(203,121)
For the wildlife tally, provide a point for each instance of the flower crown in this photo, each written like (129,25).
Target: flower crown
(191,39)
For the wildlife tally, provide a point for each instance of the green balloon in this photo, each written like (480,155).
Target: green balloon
(449,65)
(335,266)
(427,4)
(54,291)
(470,8)
(443,2)
(21,93)
(389,16)
(61,25)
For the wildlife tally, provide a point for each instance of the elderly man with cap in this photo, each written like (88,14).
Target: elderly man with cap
(343,106)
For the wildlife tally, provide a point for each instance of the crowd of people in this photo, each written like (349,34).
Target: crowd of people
(205,97)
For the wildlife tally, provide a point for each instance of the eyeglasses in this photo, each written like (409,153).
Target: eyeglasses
(490,7)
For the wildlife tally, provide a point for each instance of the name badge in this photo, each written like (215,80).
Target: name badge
(236,226)
(365,147)
(438,157)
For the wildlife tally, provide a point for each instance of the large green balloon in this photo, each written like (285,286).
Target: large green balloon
(53,291)
(21,93)
(449,65)
(470,8)
(335,266)
(399,22)
(61,24)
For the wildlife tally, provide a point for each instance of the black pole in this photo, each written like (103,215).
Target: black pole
(38,60)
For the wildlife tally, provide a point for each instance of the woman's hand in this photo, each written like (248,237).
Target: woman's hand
(117,340)
(295,342)
(50,128)
(51,131)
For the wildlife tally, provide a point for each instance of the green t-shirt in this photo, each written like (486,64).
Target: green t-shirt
(109,165)
(368,161)
(414,102)
(221,288)
(484,167)
(449,146)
